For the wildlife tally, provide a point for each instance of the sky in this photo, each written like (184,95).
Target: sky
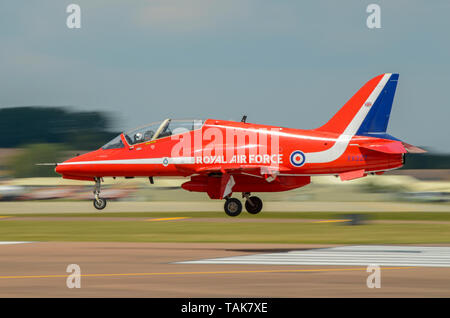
(280,62)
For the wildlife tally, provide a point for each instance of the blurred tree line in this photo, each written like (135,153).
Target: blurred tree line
(427,161)
(48,134)
(29,125)
(23,165)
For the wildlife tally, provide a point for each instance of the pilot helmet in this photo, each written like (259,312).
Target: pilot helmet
(138,137)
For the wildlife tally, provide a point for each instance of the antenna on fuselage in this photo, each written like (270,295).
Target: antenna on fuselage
(244,119)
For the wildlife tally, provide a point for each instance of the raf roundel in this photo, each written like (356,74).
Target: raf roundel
(297,158)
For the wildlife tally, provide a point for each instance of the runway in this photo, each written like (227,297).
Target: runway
(347,255)
(38,269)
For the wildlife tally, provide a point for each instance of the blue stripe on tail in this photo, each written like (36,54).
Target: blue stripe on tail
(376,121)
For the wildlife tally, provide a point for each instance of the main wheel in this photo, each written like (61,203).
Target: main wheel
(99,203)
(254,208)
(233,207)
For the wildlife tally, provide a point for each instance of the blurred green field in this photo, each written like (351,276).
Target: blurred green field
(399,216)
(225,229)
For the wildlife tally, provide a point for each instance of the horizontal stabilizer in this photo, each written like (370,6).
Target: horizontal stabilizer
(393,147)
(385,147)
(413,149)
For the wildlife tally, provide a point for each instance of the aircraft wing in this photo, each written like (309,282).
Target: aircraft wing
(224,182)
(267,172)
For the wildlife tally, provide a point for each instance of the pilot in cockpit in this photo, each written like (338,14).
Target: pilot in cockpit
(138,138)
(148,135)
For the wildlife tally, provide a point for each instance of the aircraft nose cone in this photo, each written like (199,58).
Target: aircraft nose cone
(76,167)
(57,169)
(62,169)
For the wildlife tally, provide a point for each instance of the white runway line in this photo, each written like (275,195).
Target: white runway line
(12,242)
(346,255)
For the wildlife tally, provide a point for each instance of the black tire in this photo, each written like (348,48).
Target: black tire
(100,203)
(233,207)
(256,207)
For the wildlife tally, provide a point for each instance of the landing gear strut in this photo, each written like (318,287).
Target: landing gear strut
(253,204)
(99,203)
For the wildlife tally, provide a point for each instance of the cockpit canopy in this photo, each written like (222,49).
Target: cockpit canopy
(156,130)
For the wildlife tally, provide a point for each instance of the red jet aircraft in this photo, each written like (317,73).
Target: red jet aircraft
(222,157)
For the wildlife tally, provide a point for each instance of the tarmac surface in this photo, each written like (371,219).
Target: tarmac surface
(38,269)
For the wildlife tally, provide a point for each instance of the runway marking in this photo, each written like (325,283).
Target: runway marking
(168,219)
(332,221)
(12,242)
(207,273)
(424,256)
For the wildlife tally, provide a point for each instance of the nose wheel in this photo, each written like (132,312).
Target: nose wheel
(99,203)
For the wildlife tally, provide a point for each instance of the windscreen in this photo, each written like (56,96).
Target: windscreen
(162,129)
(116,143)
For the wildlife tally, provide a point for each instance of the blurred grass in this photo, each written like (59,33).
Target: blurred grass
(231,232)
(405,216)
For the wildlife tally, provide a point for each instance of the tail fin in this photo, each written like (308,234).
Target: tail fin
(367,112)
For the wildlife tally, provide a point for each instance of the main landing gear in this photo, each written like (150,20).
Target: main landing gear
(233,207)
(253,204)
(99,203)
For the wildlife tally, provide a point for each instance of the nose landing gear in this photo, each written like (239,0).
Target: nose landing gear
(99,203)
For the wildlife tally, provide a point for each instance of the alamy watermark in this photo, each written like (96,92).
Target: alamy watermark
(374,279)
(374,19)
(73,21)
(74,279)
